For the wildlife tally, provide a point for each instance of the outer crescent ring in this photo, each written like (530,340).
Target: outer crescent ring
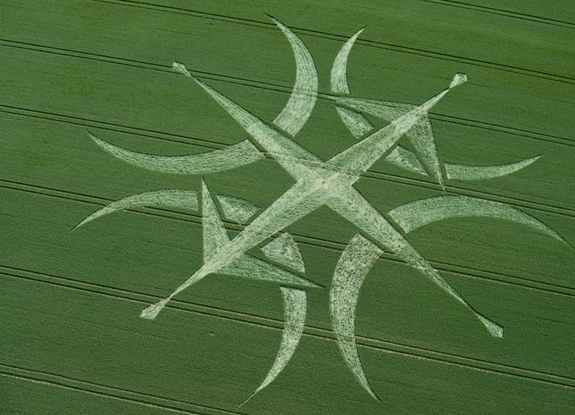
(291,119)
(304,94)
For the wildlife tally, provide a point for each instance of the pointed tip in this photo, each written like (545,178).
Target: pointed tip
(441,180)
(247,399)
(372,393)
(315,285)
(102,143)
(78,225)
(458,79)
(205,189)
(356,34)
(279,24)
(568,244)
(93,137)
(492,327)
(273,19)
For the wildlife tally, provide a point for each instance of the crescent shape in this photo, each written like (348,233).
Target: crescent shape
(180,199)
(356,123)
(304,93)
(352,268)
(419,213)
(465,172)
(214,161)
(295,305)
(339,69)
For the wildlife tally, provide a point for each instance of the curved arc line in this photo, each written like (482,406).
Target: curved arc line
(295,306)
(355,122)
(236,155)
(338,80)
(419,213)
(181,199)
(304,94)
(466,172)
(352,268)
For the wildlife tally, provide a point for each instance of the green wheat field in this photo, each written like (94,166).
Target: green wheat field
(71,339)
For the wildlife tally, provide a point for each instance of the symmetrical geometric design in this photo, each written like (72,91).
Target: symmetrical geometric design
(320,183)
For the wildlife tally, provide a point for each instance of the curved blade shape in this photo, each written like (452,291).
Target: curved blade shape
(423,212)
(236,155)
(356,123)
(295,310)
(464,172)
(181,199)
(354,264)
(339,69)
(304,93)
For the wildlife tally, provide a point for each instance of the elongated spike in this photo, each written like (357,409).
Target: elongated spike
(492,327)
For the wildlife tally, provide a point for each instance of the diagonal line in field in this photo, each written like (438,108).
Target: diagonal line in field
(270,87)
(332,36)
(502,12)
(377,345)
(314,241)
(110,392)
(66,119)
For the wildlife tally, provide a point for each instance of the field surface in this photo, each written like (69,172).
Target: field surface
(71,339)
